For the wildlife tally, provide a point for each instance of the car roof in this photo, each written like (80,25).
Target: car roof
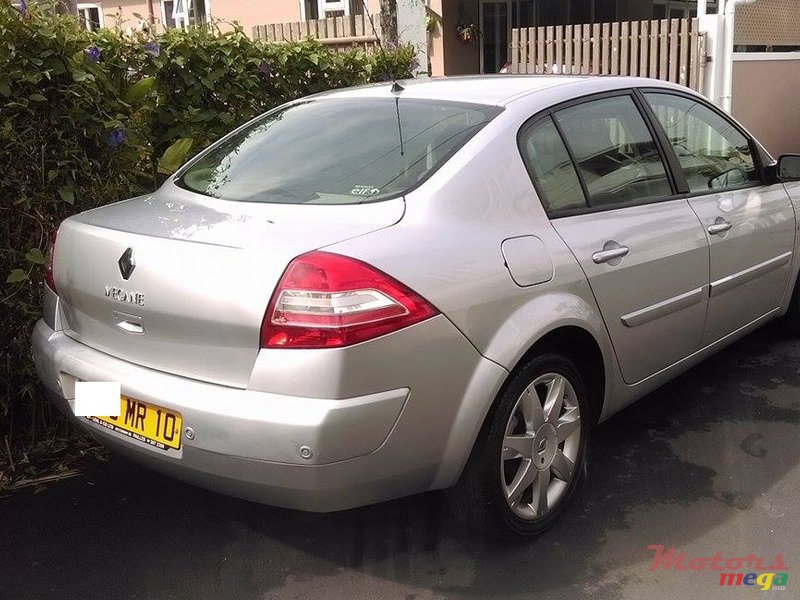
(494,89)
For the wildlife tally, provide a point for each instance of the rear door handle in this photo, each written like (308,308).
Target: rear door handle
(719,226)
(611,254)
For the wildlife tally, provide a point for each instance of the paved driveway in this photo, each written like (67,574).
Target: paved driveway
(709,463)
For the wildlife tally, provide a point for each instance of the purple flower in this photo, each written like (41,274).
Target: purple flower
(93,53)
(23,8)
(385,77)
(390,45)
(265,69)
(116,137)
(152,48)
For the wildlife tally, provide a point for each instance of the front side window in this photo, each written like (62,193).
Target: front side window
(616,156)
(551,168)
(336,151)
(713,153)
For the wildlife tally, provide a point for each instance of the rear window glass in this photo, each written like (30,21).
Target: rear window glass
(336,151)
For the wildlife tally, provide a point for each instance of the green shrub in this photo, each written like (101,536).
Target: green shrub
(91,118)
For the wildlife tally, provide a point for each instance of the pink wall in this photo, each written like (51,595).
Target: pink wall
(247,13)
(120,13)
(765,98)
(250,13)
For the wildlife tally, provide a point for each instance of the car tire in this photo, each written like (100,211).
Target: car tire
(527,462)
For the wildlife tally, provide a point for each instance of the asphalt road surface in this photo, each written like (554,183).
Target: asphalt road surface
(710,463)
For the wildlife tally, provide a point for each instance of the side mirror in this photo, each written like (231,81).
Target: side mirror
(788,167)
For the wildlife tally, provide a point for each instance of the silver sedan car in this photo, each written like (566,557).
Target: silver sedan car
(385,290)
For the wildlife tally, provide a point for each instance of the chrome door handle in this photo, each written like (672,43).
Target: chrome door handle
(607,255)
(721,226)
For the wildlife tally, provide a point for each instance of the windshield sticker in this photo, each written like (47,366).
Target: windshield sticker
(364,190)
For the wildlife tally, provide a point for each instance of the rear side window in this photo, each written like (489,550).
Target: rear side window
(336,151)
(616,156)
(713,153)
(551,168)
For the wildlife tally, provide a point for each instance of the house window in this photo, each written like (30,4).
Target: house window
(310,10)
(679,9)
(90,16)
(322,9)
(334,8)
(180,13)
(183,13)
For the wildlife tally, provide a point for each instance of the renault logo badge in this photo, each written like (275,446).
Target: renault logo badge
(126,264)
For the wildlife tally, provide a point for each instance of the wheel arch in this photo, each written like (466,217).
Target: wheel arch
(574,341)
(578,345)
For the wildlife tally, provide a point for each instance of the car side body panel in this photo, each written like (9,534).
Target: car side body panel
(460,268)
(793,191)
(658,291)
(750,263)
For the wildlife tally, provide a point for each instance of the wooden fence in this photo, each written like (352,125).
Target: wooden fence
(342,32)
(670,49)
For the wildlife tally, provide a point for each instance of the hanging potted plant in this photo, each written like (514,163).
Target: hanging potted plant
(467,33)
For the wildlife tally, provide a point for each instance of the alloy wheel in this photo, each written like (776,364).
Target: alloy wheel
(541,446)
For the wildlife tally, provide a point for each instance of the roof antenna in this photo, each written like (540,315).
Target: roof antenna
(396,87)
(399,126)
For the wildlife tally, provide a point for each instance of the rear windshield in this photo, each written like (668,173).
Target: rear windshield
(336,151)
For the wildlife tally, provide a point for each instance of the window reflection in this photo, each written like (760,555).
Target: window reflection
(616,155)
(336,151)
(713,154)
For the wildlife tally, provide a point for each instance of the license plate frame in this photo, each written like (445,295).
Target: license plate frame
(155,426)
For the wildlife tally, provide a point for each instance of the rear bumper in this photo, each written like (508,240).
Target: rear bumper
(247,443)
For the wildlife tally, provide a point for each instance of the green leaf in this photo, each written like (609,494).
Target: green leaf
(175,156)
(137,92)
(16,276)
(37,98)
(35,256)
(67,193)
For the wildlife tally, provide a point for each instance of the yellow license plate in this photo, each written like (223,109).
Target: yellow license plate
(145,422)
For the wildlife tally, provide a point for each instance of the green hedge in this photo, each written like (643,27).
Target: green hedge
(91,118)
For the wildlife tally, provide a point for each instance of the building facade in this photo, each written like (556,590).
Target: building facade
(133,14)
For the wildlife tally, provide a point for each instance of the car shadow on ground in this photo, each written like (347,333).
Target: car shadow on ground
(688,458)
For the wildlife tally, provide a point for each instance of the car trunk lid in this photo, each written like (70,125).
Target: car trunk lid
(200,274)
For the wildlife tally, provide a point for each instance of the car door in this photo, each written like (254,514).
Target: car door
(750,225)
(602,180)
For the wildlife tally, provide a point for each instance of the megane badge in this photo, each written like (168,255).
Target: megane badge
(126,264)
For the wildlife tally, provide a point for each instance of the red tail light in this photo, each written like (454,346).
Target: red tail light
(48,260)
(327,300)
